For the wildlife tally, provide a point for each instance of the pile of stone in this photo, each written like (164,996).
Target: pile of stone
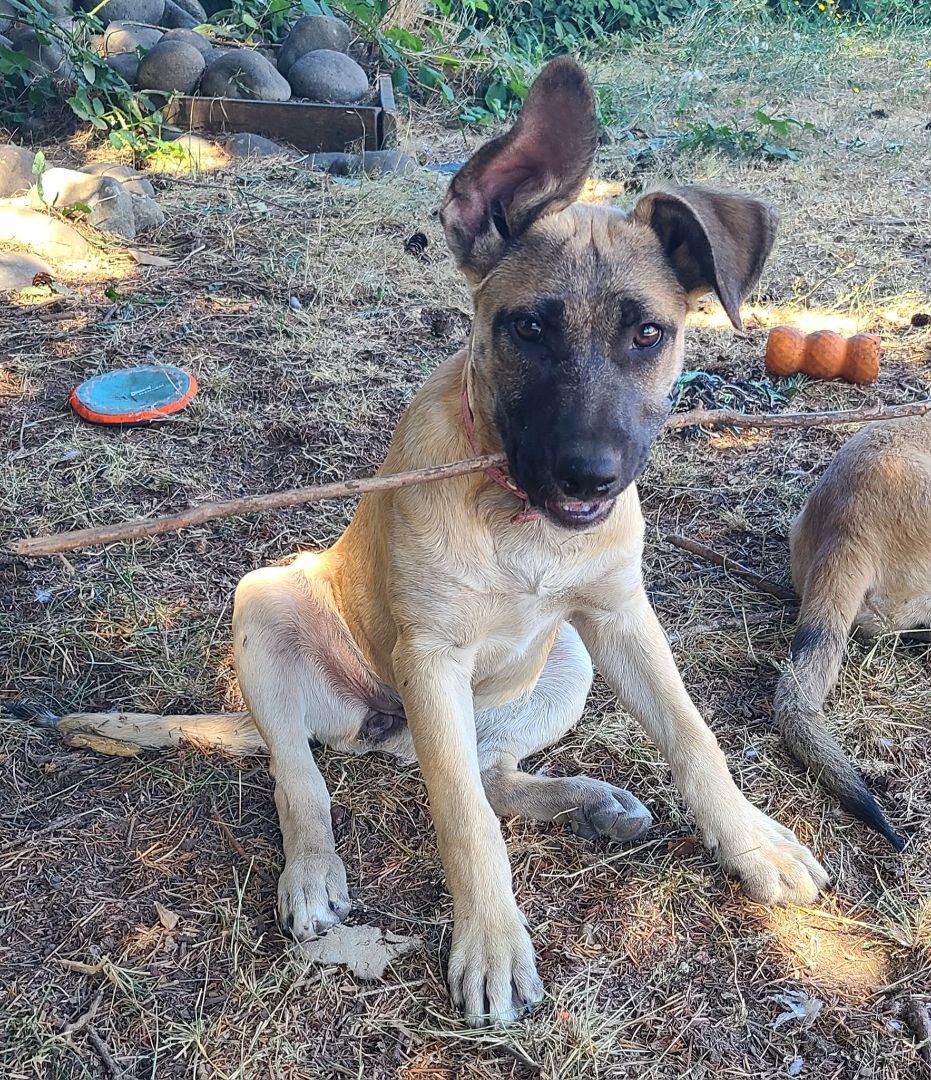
(111,198)
(165,45)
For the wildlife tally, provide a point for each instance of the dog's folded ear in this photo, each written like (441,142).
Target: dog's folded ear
(537,168)
(713,240)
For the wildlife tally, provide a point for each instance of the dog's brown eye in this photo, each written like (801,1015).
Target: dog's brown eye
(647,336)
(528,329)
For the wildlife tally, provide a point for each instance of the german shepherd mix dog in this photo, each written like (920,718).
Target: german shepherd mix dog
(861,560)
(457,622)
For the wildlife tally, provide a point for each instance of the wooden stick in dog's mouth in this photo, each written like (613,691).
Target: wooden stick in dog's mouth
(253,504)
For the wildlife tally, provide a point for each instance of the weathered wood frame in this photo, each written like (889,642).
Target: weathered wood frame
(310,126)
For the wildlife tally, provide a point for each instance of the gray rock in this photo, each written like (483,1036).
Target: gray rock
(326,75)
(60,10)
(125,65)
(109,204)
(243,73)
(126,37)
(147,214)
(17,269)
(244,144)
(46,56)
(195,8)
(132,180)
(43,233)
(192,38)
(368,163)
(310,33)
(172,67)
(16,176)
(177,18)
(144,11)
(199,153)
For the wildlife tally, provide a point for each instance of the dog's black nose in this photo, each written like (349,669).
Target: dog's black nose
(586,478)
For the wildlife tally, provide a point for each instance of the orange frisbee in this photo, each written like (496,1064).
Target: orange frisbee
(133,395)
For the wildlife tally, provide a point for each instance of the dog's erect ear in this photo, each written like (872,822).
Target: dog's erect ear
(537,168)
(714,241)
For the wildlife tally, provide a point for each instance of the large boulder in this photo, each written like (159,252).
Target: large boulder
(45,54)
(147,214)
(172,67)
(310,33)
(61,11)
(143,11)
(245,145)
(326,75)
(192,38)
(17,269)
(126,65)
(194,8)
(126,37)
(177,17)
(243,73)
(43,233)
(16,176)
(109,206)
(132,180)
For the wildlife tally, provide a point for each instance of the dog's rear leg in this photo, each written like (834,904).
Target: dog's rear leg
(833,595)
(592,808)
(283,623)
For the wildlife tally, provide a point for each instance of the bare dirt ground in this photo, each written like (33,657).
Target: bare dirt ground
(656,966)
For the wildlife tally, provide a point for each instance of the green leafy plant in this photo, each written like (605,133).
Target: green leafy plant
(767,141)
(94,92)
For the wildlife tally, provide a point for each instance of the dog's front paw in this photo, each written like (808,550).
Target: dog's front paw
(492,970)
(312,895)
(772,865)
(603,810)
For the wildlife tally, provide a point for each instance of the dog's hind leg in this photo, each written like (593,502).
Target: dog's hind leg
(507,734)
(302,678)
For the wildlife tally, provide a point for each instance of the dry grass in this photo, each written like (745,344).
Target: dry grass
(656,966)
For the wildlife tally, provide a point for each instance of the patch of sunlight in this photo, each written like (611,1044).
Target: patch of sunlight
(600,191)
(846,956)
(806,319)
(732,440)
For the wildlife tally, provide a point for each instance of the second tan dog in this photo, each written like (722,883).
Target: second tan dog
(458,621)
(861,560)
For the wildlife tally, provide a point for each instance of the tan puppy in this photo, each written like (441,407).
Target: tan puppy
(458,621)
(861,559)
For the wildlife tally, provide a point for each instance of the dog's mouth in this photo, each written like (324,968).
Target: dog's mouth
(573,514)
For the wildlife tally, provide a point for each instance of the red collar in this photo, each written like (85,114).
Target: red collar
(499,476)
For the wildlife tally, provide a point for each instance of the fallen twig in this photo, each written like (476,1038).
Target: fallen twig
(104,1053)
(727,418)
(80,1022)
(253,504)
(733,567)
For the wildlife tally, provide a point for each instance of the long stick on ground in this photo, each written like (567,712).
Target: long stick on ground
(253,504)
(734,568)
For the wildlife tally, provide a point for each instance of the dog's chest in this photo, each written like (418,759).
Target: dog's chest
(538,574)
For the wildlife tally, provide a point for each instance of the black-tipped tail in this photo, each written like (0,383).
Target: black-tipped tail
(816,654)
(36,714)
